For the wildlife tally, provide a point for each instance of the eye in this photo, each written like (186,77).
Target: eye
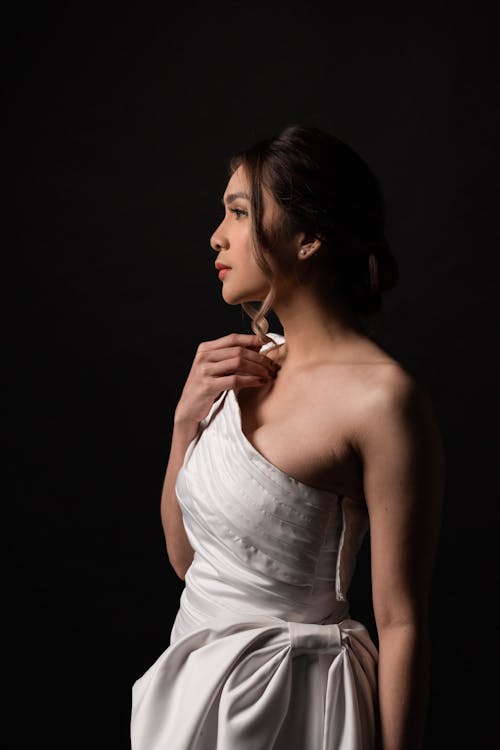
(239,212)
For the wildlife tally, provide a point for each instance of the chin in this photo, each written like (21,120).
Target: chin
(235,297)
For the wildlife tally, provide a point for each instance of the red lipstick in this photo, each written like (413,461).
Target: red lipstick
(222,269)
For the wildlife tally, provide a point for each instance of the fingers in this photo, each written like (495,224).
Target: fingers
(236,359)
(219,358)
(243,366)
(232,361)
(232,339)
(241,381)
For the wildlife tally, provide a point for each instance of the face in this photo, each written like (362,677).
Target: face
(244,281)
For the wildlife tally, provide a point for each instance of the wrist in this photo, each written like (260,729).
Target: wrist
(185,426)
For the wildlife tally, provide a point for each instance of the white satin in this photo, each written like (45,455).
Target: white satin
(263,654)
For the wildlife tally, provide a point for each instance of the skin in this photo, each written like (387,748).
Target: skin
(372,436)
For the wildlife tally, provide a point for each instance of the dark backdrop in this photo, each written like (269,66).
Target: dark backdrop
(120,124)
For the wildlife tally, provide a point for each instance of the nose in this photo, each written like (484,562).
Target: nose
(218,241)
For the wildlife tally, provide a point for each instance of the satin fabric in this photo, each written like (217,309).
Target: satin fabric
(263,653)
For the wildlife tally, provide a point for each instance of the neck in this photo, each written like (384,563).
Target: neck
(313,321)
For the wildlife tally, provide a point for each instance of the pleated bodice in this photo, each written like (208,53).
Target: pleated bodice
(263,541)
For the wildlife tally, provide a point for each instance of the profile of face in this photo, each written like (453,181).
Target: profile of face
(244,281)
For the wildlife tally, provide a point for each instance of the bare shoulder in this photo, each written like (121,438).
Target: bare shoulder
(396,425)
(389,393)
(377,385)
(389,387)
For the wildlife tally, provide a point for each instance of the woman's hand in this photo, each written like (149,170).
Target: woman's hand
(232,361)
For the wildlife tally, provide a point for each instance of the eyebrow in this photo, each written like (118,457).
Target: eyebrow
(233,196)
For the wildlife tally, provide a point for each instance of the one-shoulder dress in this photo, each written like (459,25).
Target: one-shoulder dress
(263,653)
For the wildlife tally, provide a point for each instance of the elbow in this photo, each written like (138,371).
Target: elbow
(181,571)
(180,574)
(181,567)
(179,556)
(413,619)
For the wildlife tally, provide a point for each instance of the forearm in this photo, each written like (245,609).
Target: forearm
(403,685)
(180,553)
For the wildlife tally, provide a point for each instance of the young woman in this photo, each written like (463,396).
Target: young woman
(286,449)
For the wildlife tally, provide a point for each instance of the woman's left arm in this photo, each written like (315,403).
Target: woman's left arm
(403,476)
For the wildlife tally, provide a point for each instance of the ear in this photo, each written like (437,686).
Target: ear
(307,246)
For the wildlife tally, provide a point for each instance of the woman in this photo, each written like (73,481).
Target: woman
(280,462)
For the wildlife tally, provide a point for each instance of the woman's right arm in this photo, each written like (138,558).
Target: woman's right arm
(228,362)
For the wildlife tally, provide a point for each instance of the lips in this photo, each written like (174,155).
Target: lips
(220,266)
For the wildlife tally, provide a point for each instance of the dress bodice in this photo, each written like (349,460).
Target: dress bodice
(263,540)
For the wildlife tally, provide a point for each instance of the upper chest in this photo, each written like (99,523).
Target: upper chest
(304,426)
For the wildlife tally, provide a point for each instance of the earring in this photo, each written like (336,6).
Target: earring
(303,251)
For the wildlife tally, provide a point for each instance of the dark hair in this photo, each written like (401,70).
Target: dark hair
(324,188)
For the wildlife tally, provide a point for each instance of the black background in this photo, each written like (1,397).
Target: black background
(120,121)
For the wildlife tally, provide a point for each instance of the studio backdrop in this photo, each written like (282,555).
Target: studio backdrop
(121,121)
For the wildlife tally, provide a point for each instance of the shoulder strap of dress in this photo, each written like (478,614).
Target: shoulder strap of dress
(277,337)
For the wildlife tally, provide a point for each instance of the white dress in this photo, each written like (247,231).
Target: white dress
(263,654)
